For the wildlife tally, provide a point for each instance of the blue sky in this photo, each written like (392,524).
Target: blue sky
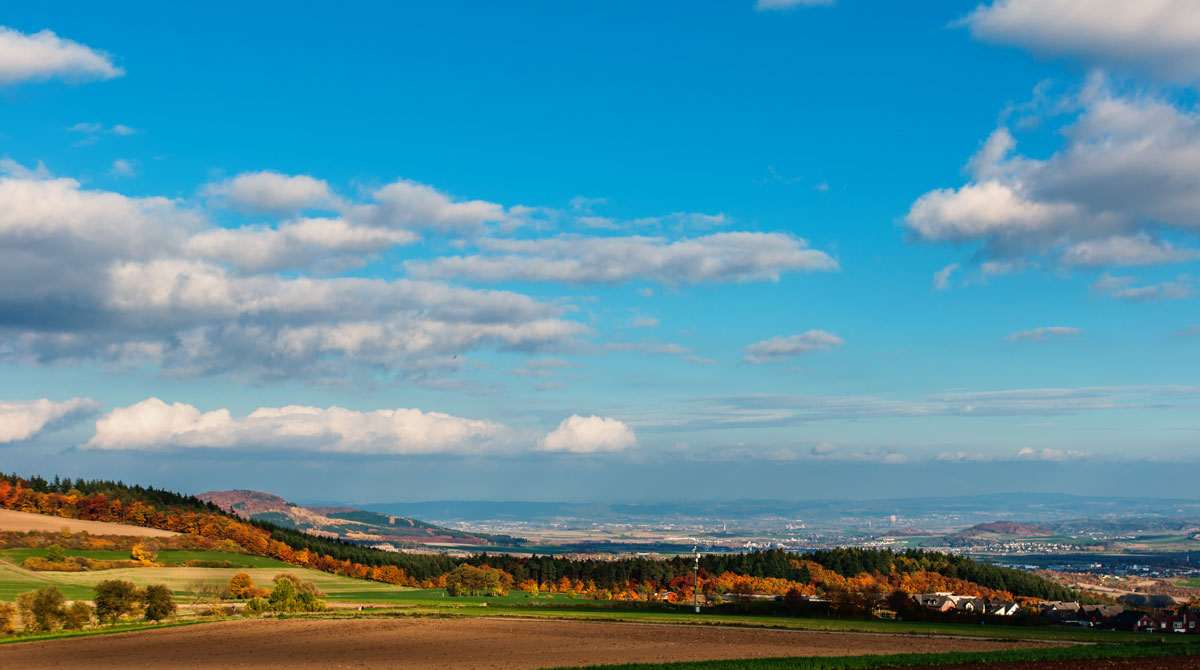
(602,251)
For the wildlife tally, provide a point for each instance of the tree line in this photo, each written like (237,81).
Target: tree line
(146,506)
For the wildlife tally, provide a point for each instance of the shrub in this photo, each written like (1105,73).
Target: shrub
(142,555)
(115,598)
(36,563)
(159,601)
(78,615)
(55,553)
(257,605)
(8,618)
(301,585)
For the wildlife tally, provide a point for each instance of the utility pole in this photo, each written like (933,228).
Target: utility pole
(696,582)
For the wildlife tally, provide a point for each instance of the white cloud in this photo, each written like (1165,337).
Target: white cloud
(272,192)
(94,128)
(45,55)
(1055,455)
(1159,37)
(1140,249)
(782,347)
(1129,172)
(716,258)
(21,420)
(738,412)
(1124,288)
(578,434)
(941,278)
(302,243)
(88,274)
(409,204)
(1043,333)
(153,424)
(768,5)
(123,167)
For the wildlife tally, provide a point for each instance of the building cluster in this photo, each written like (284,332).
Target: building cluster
(1066,613)
(944,601)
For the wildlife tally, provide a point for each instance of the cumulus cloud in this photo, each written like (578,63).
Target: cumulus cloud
(1126,180)
(44,55)
(1158,37)
(301,243)
(21,420)
(716,258)
(578,434)
(153,424)
(778,348)
(409,204)
(89,274)
(272,192)
(1043,333)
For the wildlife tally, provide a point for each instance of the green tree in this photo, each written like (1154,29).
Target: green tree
(41,610)
(55,553)
(283,596)
(159,601)
(115,598)
(78,615)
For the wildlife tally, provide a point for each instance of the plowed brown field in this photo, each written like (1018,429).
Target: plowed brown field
(425,644)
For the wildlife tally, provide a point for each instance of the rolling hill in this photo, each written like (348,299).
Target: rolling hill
(346,523)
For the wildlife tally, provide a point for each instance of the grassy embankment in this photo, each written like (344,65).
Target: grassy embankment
(1096,653)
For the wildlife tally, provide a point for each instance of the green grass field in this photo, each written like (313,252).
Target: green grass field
(78,585)
(1098,652)
(1194,582)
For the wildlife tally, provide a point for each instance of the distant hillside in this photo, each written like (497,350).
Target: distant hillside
(1006,528)
(345,523)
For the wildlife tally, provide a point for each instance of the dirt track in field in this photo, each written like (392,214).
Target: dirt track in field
(24,521)
(425,644)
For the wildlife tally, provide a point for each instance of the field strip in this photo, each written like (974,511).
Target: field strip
(27,521)
(781,628)
(429,643)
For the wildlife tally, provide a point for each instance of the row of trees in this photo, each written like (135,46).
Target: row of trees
(46,609)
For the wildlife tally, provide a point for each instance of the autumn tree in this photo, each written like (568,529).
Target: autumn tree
(77,615)
(41,610)
(240,585)
(115,598)
(159,602)
(8,618)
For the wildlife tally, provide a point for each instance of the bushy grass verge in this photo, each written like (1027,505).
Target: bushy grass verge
(99,630)
(867,662)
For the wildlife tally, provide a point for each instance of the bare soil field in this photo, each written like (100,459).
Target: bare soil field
(426,644)
(24,521)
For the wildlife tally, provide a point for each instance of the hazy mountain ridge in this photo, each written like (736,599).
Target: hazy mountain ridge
(342,522)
